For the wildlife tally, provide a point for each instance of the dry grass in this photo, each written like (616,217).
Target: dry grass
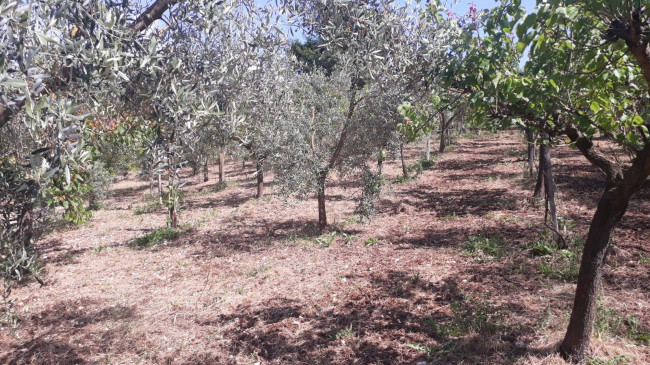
(248,281)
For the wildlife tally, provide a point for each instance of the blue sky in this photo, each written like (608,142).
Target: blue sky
(463,5)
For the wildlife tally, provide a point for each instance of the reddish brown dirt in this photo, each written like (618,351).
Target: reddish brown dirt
(249,282)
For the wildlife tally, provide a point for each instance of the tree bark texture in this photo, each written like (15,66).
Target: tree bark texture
(222,167)
(260,178)
(620,187)
(443,128)
(541,175)
(530,139)
(401,155)
(206,176)
(322,214)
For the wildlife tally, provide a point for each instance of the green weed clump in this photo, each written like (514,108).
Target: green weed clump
(156,237)
(557,263)
(493,247)
(150,207)
(610,322)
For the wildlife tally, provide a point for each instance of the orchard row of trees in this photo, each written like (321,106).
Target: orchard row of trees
(86,83)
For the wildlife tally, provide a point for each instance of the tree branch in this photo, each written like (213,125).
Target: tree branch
(613,172)
(154,12)
(344,132)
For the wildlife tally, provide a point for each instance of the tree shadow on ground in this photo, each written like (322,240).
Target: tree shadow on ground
(487,176)
(250,236)
(458,202)
(232,200)
(380,325)
(131,192)
(455,165)
(64,339)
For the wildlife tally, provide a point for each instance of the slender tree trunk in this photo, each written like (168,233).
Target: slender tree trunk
(546,184)
(530,139)
(171,189)
(222,162)
(428,153)
(26,224)
(243,164)
(544,153)
(609,212)
(401,154)
(196,167)
(380,162)
(550,201)
(260,179)
(160,187)
(443,128)
(205,170)
(322,215)
(173,217)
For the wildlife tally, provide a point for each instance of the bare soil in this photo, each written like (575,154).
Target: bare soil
(250,281)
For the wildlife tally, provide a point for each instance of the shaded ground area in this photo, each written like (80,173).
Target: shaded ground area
(455,268)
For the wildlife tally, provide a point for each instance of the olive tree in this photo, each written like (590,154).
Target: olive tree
(200,64)
(349,116)
(66,65)
(60,62)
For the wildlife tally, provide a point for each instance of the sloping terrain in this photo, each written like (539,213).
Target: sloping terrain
(454,268)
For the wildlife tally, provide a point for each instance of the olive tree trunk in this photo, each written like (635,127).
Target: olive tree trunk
(260,179)
(428,152)
(205,170)
(222,162)
(443,129)
(401,155)
(322,214)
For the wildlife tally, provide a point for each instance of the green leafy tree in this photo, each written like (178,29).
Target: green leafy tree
(575,85)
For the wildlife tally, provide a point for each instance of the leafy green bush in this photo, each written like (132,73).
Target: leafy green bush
(419,166)
(372,185)
(68,191)
(99,180)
